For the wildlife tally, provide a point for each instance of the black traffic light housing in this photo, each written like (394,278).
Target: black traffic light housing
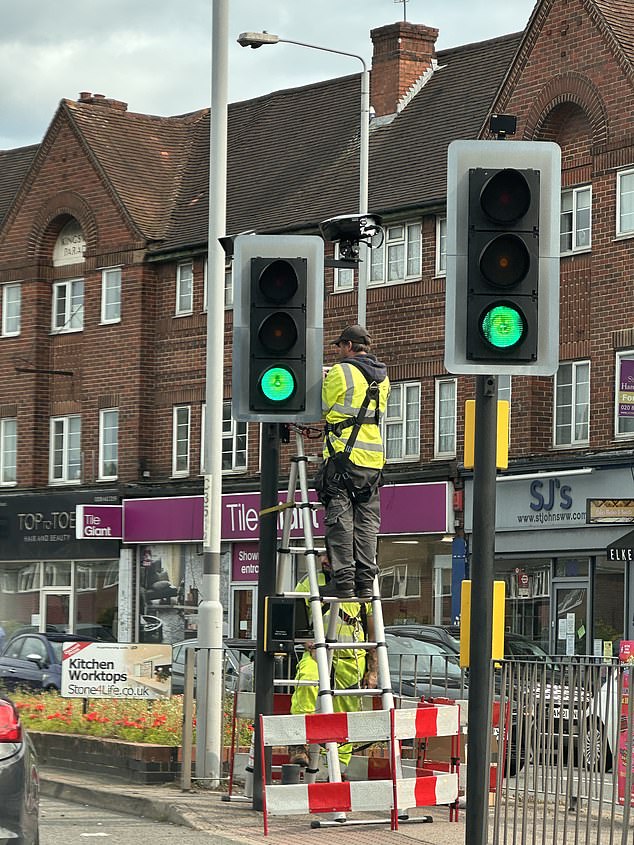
(503,265)
(502,285)
(278,328)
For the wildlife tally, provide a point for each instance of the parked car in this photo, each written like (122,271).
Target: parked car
(19,782)
(84,629)
(559,693)
(34,660)
(420,667)
(238,664)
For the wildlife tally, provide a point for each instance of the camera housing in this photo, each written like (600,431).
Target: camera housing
(349,230)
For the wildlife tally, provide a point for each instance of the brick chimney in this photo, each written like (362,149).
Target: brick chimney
(402,53)
(101,100)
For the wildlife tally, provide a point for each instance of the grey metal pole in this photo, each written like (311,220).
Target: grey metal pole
(257,39)
(264,662)
(482,558)
(209,722)
(364,183)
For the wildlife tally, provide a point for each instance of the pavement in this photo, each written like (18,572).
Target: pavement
(229,822)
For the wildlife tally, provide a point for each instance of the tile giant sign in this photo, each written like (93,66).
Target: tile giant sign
(405,509)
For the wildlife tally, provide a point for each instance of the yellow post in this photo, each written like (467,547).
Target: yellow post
(497,641)
(502,447)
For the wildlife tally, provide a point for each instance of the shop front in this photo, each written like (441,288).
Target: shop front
(165,539)
(50,579)
(565,589)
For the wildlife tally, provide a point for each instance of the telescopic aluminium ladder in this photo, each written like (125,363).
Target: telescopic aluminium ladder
(325,642)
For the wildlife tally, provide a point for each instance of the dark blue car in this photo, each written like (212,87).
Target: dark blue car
(34,661)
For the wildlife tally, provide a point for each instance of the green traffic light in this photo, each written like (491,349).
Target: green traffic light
(502,326)
(277,384)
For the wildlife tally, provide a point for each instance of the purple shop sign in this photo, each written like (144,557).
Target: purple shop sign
(98,522)
(626,388)
(245,562)
(405,509)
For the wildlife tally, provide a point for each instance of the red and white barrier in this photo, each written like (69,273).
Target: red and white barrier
(360,796)
(362,726)
(365,726)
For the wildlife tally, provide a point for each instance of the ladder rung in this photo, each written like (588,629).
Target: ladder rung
(343,646)
(357,691)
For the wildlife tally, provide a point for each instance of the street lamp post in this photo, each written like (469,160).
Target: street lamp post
(258,39)
(209,689)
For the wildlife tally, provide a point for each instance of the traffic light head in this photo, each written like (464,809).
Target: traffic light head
(278,334)
(502,306)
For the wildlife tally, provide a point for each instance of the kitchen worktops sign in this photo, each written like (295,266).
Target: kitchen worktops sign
(116,670)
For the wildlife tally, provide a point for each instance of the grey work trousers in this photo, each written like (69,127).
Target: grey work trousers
(352,528)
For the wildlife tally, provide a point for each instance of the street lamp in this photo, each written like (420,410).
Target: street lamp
(258,39)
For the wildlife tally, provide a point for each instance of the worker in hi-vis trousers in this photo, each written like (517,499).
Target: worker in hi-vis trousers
(351,667)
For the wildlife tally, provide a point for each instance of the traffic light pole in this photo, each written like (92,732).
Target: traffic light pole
(483,553)
(264,662)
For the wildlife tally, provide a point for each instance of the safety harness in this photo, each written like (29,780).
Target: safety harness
(342,459)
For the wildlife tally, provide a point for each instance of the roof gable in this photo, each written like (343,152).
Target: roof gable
(613,21)
(142,156)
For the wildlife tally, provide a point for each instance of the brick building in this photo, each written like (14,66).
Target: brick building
(103,230)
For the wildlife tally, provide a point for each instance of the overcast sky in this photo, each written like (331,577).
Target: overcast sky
(156,54)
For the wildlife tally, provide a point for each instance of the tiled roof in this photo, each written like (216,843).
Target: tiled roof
(619,15)
(13,168)
(293,155)
(143,157)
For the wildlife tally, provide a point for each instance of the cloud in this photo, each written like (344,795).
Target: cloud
(156,54)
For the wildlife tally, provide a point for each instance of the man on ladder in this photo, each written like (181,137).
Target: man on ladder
(351,668)
(354,398)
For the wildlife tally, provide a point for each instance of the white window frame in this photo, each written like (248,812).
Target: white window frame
(232,431)
(345,277)
(69,428)
(111,295)
(228,294)
(623,426)
(620,232)
(385,257)
(11,300)
(576,195)
(441,246)
(576,407)
(8,451)
(181,438)
(108,444)
(184,288)
(439,401)
(403,411)
(72,319)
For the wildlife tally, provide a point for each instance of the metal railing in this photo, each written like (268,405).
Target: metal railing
(570,730)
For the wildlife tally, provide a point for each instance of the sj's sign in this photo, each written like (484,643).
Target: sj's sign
(116,670)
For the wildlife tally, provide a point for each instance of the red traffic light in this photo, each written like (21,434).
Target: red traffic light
(278,281)
(506,197)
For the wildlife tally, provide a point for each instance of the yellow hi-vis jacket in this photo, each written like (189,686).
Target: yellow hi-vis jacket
(342,395)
